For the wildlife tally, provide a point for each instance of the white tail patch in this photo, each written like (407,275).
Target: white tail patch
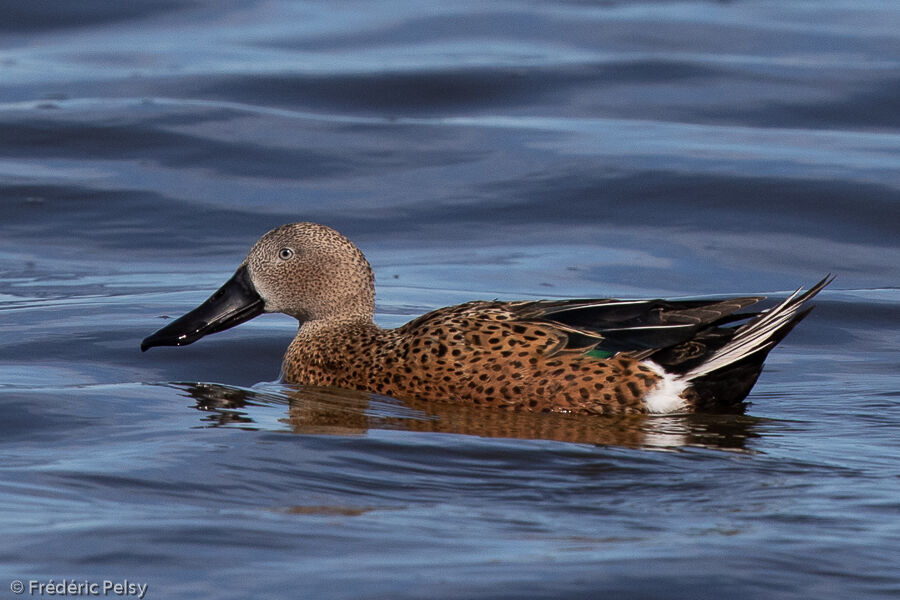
(666,398)
(756,336)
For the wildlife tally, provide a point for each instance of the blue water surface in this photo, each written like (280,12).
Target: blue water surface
(473,150)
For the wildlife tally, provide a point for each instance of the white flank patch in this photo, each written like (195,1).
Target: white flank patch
(665,398)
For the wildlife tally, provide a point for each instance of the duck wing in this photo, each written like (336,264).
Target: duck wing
(604,327)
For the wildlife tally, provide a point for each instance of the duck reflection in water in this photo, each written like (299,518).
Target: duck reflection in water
(312,410)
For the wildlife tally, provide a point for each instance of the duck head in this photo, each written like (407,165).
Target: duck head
(305,270)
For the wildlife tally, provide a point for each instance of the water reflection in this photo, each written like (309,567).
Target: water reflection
(331,411)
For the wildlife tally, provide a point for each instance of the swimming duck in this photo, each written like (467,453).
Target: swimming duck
(601,356)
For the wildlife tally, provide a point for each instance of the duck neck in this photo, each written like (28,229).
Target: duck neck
(323,328)
(327,351)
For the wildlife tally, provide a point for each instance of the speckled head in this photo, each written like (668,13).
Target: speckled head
(305,270)
(311,272)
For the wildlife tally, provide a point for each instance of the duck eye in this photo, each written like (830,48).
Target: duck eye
(285,253)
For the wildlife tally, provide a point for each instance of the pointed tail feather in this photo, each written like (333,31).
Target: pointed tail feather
(752,341)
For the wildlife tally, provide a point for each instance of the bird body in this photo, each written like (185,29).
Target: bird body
(597,356)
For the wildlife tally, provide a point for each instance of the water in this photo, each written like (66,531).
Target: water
(502,150)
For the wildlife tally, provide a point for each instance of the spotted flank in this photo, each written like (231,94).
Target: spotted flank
(599,356)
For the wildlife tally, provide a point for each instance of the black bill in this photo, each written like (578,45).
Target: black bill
(235,302)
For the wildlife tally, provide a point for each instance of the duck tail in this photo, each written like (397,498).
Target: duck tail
(727,375)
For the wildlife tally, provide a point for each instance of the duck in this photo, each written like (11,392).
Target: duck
(588,356)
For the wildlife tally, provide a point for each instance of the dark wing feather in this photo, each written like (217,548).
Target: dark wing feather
(687,328)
